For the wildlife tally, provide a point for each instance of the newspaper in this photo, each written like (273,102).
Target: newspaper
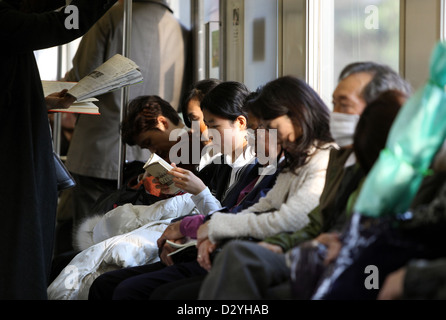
(115,73)
(84,106)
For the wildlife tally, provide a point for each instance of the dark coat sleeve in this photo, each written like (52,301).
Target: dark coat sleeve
(23,32)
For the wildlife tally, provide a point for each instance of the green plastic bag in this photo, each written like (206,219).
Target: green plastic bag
(416,136)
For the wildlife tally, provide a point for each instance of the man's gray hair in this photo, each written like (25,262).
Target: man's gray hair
(384,79)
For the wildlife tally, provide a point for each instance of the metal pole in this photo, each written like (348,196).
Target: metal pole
(57,120)
(223,37)
(199,39)
(127,40)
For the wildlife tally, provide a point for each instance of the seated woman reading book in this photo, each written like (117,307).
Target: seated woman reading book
(220,180)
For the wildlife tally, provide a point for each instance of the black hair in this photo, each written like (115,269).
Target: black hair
(374,126)
(227,100)
(198,92)
(142,115)
(294,98)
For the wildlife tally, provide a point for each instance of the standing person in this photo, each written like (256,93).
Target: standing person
(158,47)
(29,206)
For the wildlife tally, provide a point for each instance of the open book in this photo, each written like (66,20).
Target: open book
(159,168)
(85,106)
(181,246)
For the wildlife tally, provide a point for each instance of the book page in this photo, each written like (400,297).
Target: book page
(180,246)
(113,74)
(81,107)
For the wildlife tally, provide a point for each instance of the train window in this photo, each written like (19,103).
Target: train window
(52,71)
(63,55)
(365,31)
(213,52)
(260,42)
(251,41)
(356,30)
(182,10)
(45,60)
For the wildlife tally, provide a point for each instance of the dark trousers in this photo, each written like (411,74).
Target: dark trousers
(243,270)
(139,283)
(185,289)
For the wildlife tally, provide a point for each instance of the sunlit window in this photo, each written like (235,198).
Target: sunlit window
(351,31)
(54,62)
(213,33)
(366,30)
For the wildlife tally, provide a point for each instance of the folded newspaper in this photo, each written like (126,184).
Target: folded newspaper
(115,73)
(85,106)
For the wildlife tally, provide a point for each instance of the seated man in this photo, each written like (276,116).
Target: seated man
(150,121)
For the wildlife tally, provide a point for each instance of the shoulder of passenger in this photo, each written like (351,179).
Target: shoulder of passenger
(322,152)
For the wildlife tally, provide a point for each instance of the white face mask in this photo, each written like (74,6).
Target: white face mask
(342,127)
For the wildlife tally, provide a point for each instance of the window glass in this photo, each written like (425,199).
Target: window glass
(357,30)
(366,30)
(260,42)
(211,10)
(213,34)
(181,10)
(48,59)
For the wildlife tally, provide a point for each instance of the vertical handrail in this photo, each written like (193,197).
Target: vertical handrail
(127,40)
(199,39)
(223,34)
(57,117)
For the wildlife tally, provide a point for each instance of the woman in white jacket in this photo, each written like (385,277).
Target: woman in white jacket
(301,119)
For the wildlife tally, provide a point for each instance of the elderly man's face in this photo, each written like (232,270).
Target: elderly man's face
(347,97)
